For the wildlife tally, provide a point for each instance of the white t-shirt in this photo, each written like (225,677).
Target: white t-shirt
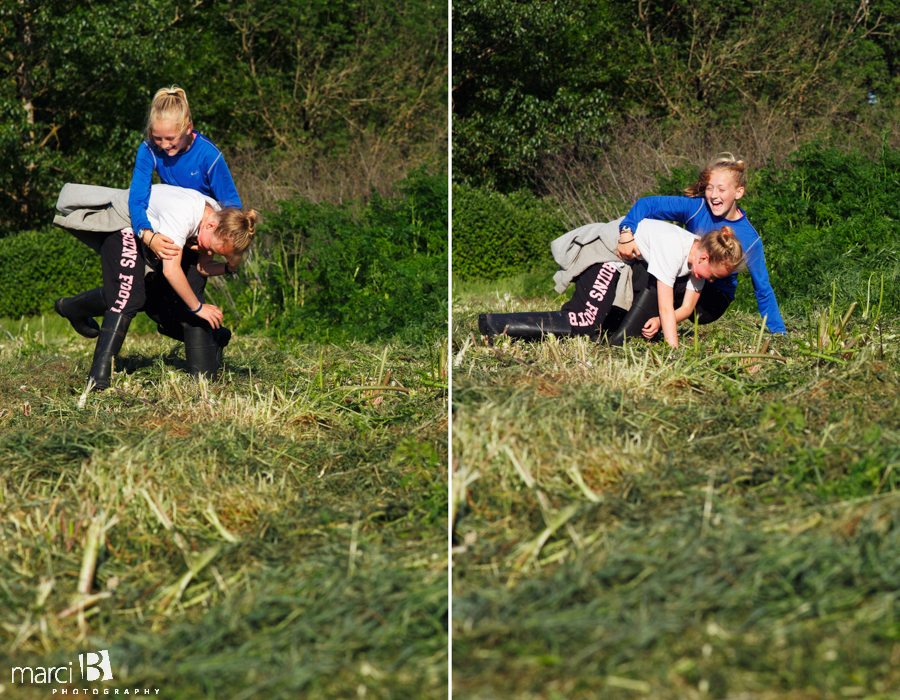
(177,211)
(666,248)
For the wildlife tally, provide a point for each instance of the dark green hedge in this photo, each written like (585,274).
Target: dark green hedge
(497,235)
(38,266)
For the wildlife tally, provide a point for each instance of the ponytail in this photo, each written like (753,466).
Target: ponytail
(723,249)
(237,227)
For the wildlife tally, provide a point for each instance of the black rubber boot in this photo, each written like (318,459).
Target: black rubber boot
(222,336)
(645,307)
(112,335)
(529,326)
(201,352)
(80,310)
(174,332)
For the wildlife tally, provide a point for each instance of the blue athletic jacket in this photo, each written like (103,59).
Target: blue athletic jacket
(693,213)
(202,167)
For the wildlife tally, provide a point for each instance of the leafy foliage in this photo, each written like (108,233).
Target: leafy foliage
(522,86)
(329,274)
(497,235)
(38,266)
(531,77)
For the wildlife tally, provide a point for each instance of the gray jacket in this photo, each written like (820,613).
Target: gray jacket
(588,245)
(87,209)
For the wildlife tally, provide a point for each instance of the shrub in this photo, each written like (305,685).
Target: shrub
(324,273)
(38,266)
(496,235)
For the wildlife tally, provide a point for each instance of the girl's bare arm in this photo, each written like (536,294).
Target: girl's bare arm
(688,304)
(175,277)
(667,319)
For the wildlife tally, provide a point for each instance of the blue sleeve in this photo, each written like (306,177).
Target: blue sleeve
(139,191)
(679,209)
(222,184)
(765,295)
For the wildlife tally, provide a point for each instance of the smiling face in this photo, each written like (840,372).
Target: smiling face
(722,196)
(168,138)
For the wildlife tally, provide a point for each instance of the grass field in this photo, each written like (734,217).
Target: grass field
(279,534)
(717,521)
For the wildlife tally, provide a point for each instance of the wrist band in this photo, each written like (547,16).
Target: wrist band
(151,238)
(628,241)
(197,310)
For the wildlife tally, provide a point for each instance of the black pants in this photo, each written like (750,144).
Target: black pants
(592,300)
(163,304)
(122,263)
(713,302)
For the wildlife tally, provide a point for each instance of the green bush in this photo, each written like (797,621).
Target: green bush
(829,219)
(497,235)
(331,275)
(38,266)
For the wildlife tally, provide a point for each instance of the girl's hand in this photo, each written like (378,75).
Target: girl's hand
(211,314)
(651,328)
(628,251)
(204,264)
(163,246)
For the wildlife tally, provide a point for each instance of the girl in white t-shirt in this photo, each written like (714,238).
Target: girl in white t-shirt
(673,256)
(173,295)
(709,257)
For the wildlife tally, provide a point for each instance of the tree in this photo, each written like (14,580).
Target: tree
(525,82)
(533,77)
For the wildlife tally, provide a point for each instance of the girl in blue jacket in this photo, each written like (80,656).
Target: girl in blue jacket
(182,157)
(708,205)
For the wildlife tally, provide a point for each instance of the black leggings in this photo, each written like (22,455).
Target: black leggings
(122,263)
(592,300)
(163,304)
(710,306)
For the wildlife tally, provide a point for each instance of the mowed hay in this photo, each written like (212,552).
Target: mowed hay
(721,520)
(278,533)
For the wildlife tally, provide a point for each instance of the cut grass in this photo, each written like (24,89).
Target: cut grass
(721,520)
(280,533)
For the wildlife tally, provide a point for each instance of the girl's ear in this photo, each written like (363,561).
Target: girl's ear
(739,192)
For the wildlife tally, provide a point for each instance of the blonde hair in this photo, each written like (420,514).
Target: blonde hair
(723,248)
(723,161)
(237,228)
(169,105)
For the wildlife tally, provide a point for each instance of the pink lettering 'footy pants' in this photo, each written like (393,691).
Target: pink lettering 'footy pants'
(122,262)
(592,300)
